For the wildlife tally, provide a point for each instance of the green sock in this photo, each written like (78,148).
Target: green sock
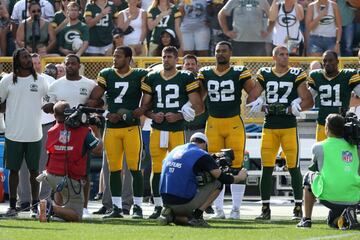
(115,183)
(155,184)
(266,183)
(138,183)
(296,183)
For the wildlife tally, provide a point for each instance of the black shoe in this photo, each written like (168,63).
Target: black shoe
(156,213)
(115,213)
(34,212)
(304,223)
(265,214)
(98,196)
(125,211)
(198,222)
(11,212)
(24,207)
(167,216)
(297,213)
(137,212)
(101,211)
(209,210)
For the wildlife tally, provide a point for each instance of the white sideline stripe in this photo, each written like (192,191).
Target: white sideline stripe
(334,236)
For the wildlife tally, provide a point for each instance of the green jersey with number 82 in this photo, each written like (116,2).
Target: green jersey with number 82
(224,89)
(280,89)
(122,91)
(334,92)
(169,95)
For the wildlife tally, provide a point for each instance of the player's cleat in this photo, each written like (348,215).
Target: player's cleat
(34,212)
(265,214)
(297,213)
(86,213)
(304,223)
(115,213)
(234,214)
(219,214)
(11,212)
(167,216)
(156,213)
(137,212)
(101,211)
(209,210)
(198,222)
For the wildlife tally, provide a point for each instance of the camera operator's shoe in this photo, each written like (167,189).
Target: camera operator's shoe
(103,210)
(234,214)
(348,219)
(219,214)
(304,223)
(297,213)
(11,212)
(167,216)
(209,210)
(115,213)
(265,214)
(137,212)
(156,213)
(198,222)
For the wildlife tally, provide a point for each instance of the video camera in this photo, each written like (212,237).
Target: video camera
(352,128)
(83,116)
(224,159)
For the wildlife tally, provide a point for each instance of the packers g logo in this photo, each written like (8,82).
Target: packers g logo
(71,35)
(328,19)
(286,20)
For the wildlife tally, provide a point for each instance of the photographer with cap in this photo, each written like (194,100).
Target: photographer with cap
(190,181)
(67,148)
(334,159)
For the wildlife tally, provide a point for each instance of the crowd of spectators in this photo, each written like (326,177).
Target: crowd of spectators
(254,27)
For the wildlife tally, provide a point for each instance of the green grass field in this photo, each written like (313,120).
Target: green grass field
(146,229)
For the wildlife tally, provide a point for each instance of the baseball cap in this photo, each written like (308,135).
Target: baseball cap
(169,31)
(199,135)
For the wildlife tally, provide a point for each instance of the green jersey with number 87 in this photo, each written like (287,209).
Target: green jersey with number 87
(122,91)
(224,89)
(280,89)
(334,93)
(169,95)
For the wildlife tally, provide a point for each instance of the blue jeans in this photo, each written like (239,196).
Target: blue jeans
(319,44)
(347,38)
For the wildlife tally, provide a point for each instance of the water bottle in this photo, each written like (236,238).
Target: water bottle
(42,211)
(246,164)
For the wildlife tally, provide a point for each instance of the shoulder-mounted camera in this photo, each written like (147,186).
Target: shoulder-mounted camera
(224,159)
(352,128)
(83,116)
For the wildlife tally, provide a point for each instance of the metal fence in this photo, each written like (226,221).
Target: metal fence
(92,66)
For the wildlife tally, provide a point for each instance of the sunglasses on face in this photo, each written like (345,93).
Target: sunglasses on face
(36,11)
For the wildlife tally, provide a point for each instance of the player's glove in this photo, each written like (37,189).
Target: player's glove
(126,115)
(256,105)
(187,112)
(295,107)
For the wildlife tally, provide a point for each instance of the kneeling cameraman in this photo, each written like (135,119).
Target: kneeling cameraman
(183,198)
(334,177)
(66,166)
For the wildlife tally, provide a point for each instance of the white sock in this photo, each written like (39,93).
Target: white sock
(117,201)
(237,195)
(158,201)
(219,201)
(138,201)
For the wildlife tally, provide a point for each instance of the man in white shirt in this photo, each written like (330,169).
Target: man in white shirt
(22,92)
(74,89)
(20,12)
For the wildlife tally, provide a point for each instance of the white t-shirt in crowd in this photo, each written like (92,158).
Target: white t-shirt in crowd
(23,107)
(73,92)
(47,117)
(18,14)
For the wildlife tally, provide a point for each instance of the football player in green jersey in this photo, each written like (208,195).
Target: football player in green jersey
(168,92)
(122,85)
(334,87)
(286,94)
(225,128)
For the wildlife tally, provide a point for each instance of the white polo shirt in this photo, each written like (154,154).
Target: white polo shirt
(24,100)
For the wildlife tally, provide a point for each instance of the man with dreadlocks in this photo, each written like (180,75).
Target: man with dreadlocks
(22,93)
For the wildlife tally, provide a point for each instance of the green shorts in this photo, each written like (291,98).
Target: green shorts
(15,152)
